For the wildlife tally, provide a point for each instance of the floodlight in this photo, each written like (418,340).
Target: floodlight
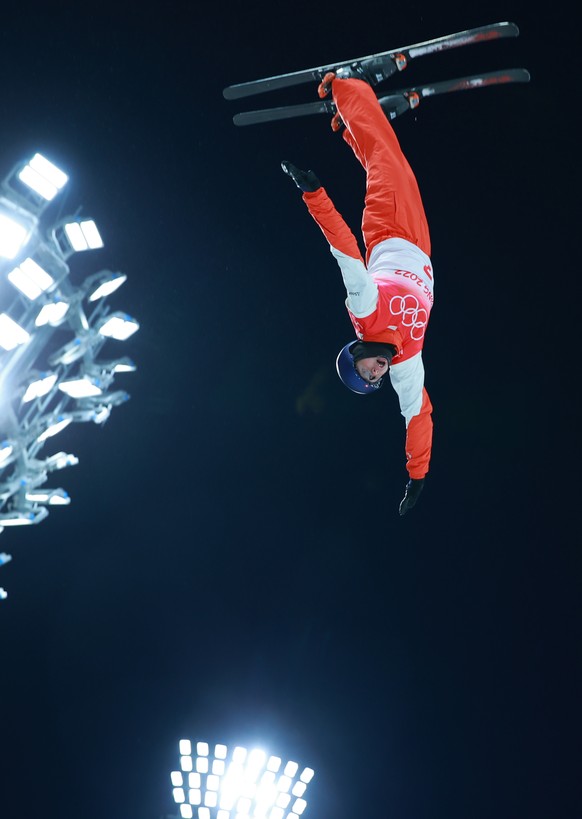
(52,313)
(118,326)
(245,784)
(60,460)
(103,284)
(56,425)
(83,235)
(43,177)
(6,450)
(11,333)
(30,278)
(52,497)
(81,387)
(4,558)
(186,812)
(13,236)
(40,386)
(26,518)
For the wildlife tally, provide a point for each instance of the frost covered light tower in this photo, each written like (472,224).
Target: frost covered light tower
(51,334)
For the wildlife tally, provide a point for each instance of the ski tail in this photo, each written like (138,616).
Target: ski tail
(394,60)
(394,104)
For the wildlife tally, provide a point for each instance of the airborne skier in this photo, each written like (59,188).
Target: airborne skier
(390,296)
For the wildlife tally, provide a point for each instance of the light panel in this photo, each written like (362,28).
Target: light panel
(80,388)
(11,333)
(242,783)
(52,313)
(119,326)
(39,387)
(43,177)
(13,236)
(31,279)
(83,235)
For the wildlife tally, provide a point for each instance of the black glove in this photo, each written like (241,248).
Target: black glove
(306,181)
(413,490)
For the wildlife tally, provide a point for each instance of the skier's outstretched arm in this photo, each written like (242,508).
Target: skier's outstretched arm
(407,379)
(361,288)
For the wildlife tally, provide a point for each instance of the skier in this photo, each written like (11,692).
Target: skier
(390,295)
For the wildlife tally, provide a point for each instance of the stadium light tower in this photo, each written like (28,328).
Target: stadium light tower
(51,334)
(217,782)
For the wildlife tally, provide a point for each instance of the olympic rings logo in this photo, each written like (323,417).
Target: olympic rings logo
(413,314)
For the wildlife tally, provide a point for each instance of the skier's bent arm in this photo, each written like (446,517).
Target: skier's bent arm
(362,290)
(407,379)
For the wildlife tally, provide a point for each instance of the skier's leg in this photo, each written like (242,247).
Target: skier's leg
(393,205)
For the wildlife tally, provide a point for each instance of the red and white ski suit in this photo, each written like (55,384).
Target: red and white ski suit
(389,298)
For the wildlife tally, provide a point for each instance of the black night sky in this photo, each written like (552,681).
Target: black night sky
(232,566)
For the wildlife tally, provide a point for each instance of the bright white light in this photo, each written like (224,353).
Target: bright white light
(274,763)
(291,769)
(218,767)
(80,388)
(107,287)
(41,386)
(61,422)
(6,451)
(243,805)
(283,800)
(30,279)
(119,326)
(11,333)
(223,814)
(239,754)
(177,778)
(203,813)
(43,177)
(212,782)
(298,789)
(83,235)
(211,799)
(52,313)
(186,763)
(54,497)
(299,806)
(202,748)
(284,783)
(220,751)
(194,780)
(194,796)
(12,237)
(307,775)
(277,813)
(61,460)
(23,518)
(179,795)
(186,812)
(185,747)
(202,765)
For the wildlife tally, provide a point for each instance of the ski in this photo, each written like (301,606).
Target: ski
(394,104)
(386,63)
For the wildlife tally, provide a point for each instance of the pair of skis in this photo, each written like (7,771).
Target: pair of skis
(382,66)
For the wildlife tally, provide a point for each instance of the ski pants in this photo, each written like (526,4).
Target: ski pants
(393,205)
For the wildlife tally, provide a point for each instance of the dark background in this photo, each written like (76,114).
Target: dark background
(232,567)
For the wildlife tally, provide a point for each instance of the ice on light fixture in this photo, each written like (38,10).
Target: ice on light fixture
(53,497)
(52,313)
(185,747)
(80,388)
(59,424)
(83,235)
(31,279)
(11,333)
(108,286)
(43,177)
(119,326)
(13,236)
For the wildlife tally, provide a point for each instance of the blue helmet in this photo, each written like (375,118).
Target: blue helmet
(346,369)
